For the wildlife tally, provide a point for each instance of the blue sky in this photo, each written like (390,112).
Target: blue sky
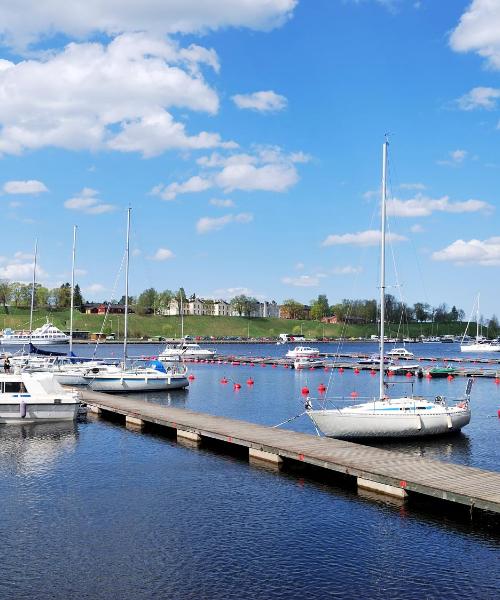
(247,138)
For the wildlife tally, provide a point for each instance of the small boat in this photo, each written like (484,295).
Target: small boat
(35,397)
(480,344)
(183,350)
(382,416)
(400,353)
(373,360)
(439,372)
(46,335)
(109,378)
(303,362)
(303,352)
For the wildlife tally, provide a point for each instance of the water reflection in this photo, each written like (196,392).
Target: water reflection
(35,448)
(457,447)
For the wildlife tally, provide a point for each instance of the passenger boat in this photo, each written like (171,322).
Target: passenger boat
(383,417)
(35,397)
(184,350)
(46,335)
(303,352)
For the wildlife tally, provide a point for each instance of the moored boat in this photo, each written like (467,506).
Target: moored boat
(303,352)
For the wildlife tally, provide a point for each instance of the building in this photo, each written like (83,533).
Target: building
(330,320)
(304,314)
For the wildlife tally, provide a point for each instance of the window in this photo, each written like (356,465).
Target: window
(13,387)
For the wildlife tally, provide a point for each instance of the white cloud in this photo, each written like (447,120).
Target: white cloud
(268,168)
(456,158)
(479,97)
(371,237)
(163,254)
(423,206)
(87,202)
(299,266)
(222,202)
(479,31)
(302,281)
(417,228)
(20,267)
(263,102)
(460,252)
(193,185)
(208,224)
(94,288)
(31,186)
(412,186)
(347,270)
(25,21)
(95,96)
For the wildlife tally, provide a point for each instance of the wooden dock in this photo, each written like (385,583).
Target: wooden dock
(383,471)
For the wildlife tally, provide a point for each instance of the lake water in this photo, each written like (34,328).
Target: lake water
(93,510)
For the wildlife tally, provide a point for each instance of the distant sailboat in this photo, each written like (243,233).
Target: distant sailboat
(384,417)
(480,344)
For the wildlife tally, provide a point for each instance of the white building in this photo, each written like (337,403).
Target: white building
(217,308)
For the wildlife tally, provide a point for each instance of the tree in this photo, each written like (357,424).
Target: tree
(422,311)
(5,293)
(19,294)
(164,299)
(453,314)
(78,301)
(320,307)
(146,301)
(41,295)
(239,304)
(493,327)
(294,309)
(63,296)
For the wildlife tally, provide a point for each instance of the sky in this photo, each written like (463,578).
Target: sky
(246,136)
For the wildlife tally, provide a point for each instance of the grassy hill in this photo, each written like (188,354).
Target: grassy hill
(151,325)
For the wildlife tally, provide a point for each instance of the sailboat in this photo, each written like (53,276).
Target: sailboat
(384,417)
(109,378)
(480,344)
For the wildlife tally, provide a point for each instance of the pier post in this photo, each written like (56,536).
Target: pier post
(133,422)
(191,436)
(261,455)
(382,488)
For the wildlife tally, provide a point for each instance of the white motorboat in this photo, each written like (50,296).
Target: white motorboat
(184,350)
(142,379)
(303,352)
(400,353)
(35,397)
(46,335)
(384,417)
(303,362)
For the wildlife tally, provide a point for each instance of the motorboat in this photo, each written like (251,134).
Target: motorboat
(184,350)
(35,397)
(400,353)
(157,377)
(46,335)
(303,352)
(373,360)
(304,362)
(382,416)
(439,372)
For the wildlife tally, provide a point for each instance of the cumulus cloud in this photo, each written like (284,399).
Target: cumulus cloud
(302,281)
(417,228)
(412,186)
(222,202)
(347,270)
(480,252)
(456,158)
(19,267)
(264,102)
(26,21)
(193,185)
(423,206)
(31,186)
(94,288)
(88,202)
(96,96)
(479,97)
(370,237)
(208,224)
(267,168)
(163,254)
(479,31)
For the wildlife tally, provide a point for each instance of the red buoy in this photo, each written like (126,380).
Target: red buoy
(356,371)
(450,378)
(237,386)
(274,366)
(498,413)
(373,372)
(223,380)
(341,370)
(250,381)
(354,394)
(305,391)
(497,380)
(428,376)
(262,364)
(321,388)
(409,374)
(325,369)
(191,377)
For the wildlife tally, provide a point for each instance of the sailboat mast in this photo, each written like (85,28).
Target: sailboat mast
(127,255)
(477,318)
(33,289)
(182,318)
(72,306)
(382,268)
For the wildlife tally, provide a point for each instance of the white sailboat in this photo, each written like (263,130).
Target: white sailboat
(480,344)
(122,379)
(384,417)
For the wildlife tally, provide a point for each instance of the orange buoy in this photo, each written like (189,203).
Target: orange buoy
(250,381)
(305,391)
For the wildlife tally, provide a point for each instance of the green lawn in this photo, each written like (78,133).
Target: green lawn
(148,326)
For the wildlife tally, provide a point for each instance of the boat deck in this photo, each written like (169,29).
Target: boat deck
(382,470)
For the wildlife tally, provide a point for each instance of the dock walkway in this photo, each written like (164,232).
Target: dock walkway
(381,470)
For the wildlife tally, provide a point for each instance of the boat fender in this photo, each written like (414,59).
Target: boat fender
(22,409)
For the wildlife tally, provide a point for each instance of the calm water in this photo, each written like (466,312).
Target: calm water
(93,510)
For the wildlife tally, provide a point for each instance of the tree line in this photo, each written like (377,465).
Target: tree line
(18,294)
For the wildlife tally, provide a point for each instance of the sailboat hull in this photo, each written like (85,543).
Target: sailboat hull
(133,384)
(349,425)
